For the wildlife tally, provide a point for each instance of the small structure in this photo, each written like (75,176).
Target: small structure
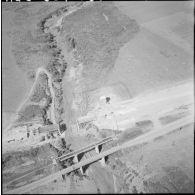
(62,127)
(84,121)
(107,100)
(48,129)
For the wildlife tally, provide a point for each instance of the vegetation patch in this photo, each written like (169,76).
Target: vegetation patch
(30,113)
(41,89)
(95,37)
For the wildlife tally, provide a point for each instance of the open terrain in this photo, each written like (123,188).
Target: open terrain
(84,71)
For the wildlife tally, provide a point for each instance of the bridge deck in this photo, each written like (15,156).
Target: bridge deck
(139,140)
(85,149)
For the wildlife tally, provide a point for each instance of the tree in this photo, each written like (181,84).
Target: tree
(63,127)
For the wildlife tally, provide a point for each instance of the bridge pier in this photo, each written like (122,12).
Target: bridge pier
(76,160)
(102,161)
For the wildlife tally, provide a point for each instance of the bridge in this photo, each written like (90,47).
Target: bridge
(144,138)
(78,154)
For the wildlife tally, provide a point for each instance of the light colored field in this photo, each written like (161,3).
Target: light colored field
(147,11)
(157,56)
(148,62)
(177,28)
(7,117)
(15,84)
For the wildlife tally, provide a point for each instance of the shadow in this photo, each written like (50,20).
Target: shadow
(100,148)
(106,159)
(80,156)
(87,166)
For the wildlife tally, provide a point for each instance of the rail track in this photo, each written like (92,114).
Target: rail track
(82,162)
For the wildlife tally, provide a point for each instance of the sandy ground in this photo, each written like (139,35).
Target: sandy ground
(121,115)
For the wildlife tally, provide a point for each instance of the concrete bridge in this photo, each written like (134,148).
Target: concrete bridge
(77,155)
(145,138)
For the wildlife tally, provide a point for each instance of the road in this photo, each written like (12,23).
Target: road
(151,106)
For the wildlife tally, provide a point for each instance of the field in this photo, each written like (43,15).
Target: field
(165,162)
(104,30)
(14,82)
(155,57)
(24,50)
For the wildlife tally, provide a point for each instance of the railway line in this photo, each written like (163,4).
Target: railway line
(79,163)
